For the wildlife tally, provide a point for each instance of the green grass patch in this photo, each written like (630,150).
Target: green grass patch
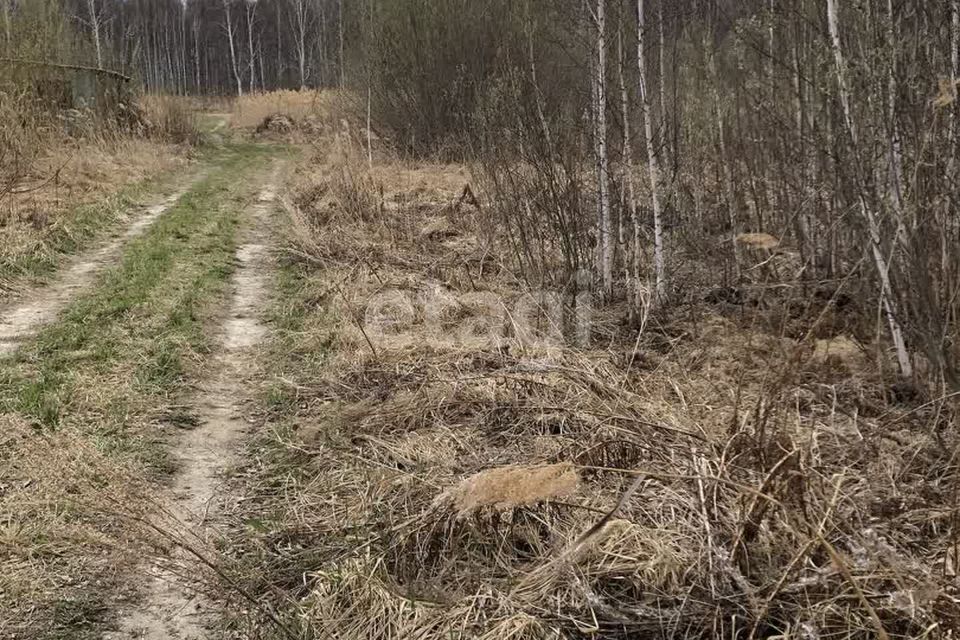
(81,227)
(301,338)
(116,355)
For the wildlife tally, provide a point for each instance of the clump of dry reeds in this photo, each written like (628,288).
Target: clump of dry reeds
(702,479)
(170,118)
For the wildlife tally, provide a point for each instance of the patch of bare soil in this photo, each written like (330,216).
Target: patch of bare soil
(170,607)
(21,319)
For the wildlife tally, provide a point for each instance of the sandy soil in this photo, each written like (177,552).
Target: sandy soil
(169,607)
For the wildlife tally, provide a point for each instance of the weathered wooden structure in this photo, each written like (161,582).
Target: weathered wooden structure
(67,86)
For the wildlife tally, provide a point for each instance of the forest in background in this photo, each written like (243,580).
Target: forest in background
(798,158)
(207,47)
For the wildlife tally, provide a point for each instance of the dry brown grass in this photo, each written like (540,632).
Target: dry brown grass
(170,118)
(251,110)
(507,488)
(65,534)
(705,478)
(63,198)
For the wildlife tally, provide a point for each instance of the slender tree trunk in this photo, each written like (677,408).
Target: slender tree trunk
(805,228)
(8,42)
(233,50)
(954,73)
(263,75)
(605,241)
(322,45)
(631,262)
(94,27)
(184,50)
(653,163)
(300,39)
(873,226)
(343,68)
(279,78)
(251,16)
(896,155)
(726,174)
(624,142)
(196,52)
(767,145)
(662,62)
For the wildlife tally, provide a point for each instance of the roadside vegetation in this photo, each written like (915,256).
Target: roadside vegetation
(78,146)
(439,458)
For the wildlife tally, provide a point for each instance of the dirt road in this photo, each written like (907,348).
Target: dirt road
(20,319)
(139,349)
(169,607)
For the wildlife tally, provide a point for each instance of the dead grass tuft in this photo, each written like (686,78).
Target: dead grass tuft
(506,488)
(758,240)
(64,198)
(67,511)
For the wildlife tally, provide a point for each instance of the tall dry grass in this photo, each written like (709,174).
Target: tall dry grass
(708,477)
(252,109)
(171,118)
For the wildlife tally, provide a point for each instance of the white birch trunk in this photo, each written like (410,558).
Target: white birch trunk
(954,76)
(806,171)
(873,226)
(663,86)
(94,27)
(196,52)
(6,26)
(370,101)
(605,241)
(896,155)
(233,49)
(279,77)
(299,20)
(251,16)
(652,158)
(631,262)
(343,69)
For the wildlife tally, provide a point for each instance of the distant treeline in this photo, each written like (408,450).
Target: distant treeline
(187,46)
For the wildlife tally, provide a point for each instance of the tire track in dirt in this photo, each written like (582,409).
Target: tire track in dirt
(169,607)
(22,318)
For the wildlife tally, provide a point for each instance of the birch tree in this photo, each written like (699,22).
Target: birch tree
(343,72)
(631,263)
(300,26)
(233,49)
(94,18)
(5,6)
(954,77)
(869,216)
(251,17)
(605,223)
(653,161)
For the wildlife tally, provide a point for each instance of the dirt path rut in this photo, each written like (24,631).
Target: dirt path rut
(169,607)
(22,318)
